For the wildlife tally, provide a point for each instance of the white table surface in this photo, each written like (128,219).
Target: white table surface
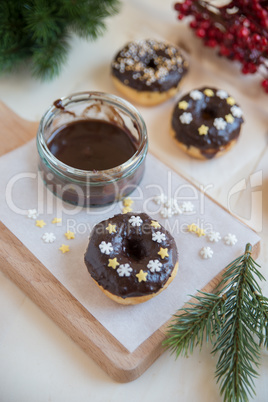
(38,361)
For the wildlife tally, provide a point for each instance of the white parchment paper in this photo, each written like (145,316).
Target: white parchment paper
(23,189)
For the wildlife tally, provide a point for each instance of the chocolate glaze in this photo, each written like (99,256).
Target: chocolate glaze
(204,111)
(92,145)
(149,65)
(133,246)
(58,104)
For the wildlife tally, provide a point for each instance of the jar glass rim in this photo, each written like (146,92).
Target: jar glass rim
(113,100)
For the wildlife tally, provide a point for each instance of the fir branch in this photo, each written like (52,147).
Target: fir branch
(48,59)
(40,30)
(194,323)
(262,307)
(233,319)
(42,21)
(86,16)
(13,42)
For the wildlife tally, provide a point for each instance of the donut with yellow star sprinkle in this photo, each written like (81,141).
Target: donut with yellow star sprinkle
(206,122)
(131,257)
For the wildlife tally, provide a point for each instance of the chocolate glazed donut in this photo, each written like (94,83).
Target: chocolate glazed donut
(148,71)
(131,257)
(206,122)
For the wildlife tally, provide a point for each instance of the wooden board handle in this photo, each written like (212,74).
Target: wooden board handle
(15,131)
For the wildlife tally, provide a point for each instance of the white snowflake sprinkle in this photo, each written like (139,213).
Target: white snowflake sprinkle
(172,204)
(187,206)
(220,123)
(159,237)
(160,199)
(106,248)
(124,270)
(166,212)
(213,236)
(135,221)
(169,202)
(186,118)
(222,94)
(196,95)
(32,213)
(236,111)
(206,252)
(176,209)
(154,265)
(49,237)
(230,239)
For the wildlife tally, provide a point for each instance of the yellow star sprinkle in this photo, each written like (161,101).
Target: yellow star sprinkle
(113,263)
(40,223)
(64,249)
(163,252)
(56,220)
(142,275)
(230,101)
(208,92)
(203,130)
(69,235)
(127,202)
(155,224)
(192,228)
(111,228)
(195,229)
(200,232)
(183,105)
(126,210)
(229,118)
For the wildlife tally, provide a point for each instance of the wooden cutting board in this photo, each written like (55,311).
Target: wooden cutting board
(23,268)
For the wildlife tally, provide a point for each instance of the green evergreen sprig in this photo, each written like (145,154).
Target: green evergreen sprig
(39,31)
(234,319)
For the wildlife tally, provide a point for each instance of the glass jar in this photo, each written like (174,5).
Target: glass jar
(88,188)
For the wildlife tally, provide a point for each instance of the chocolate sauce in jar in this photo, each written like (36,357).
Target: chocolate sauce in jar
(92,145)
(96,134)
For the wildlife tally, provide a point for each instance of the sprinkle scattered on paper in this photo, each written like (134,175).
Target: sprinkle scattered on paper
(131,325)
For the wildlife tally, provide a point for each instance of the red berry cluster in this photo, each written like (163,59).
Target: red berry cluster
(239,30)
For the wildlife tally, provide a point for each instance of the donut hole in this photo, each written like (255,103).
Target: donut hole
(208,114)
(135,249)
(151,64)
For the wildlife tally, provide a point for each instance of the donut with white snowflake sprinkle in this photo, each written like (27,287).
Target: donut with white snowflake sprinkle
(131,257)
(206,122)
(148,71)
